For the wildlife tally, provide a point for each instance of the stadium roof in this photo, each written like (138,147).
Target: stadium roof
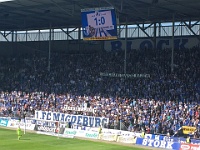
(38,14)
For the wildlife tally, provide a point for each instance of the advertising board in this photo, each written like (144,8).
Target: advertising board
(158,143)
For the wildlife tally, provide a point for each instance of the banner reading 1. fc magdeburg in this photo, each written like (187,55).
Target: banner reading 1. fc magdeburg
(89,121)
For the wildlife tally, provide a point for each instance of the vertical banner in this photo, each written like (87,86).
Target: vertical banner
(99,23)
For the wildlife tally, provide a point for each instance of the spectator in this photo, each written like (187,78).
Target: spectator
(160,104)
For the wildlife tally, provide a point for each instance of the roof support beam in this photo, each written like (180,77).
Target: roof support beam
(141,14)
(192,25)
(3,34)
(6,34)
(163,8)
(181,4)
(64,10)
(148,26)
(68,33)
(143,30)
(190,28)
(38,16)
(119,10)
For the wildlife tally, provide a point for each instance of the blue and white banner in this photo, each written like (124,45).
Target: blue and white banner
(73,119)
(160,137)
(158,143)
(3,122)
(155,137)
(172,139)
(146,43)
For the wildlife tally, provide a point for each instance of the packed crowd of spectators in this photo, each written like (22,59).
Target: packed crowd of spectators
(160,104)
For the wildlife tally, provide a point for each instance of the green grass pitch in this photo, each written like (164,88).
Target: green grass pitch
(31,141)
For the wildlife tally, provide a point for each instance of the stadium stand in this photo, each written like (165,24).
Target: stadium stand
(159,104)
